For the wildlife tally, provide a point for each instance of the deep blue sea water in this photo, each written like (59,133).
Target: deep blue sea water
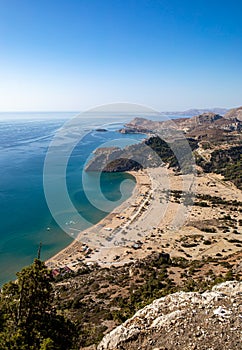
(24,214)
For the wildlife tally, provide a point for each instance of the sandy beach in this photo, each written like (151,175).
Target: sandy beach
(152,219)
(96,237)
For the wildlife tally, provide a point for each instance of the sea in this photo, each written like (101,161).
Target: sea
(26,222)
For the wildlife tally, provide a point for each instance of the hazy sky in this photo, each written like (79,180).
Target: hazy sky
(75,54)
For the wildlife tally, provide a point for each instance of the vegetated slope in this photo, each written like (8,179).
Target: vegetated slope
(28,320)
(153,152)
(227,162)
(98,299)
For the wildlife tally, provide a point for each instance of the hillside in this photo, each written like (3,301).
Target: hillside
(153,152)
(227,162)
(214,140)
(98,298)
(200,125)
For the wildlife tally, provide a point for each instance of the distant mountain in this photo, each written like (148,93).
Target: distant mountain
(197,126)
(235,113)
(192,112)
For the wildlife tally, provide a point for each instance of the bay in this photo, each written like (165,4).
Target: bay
(25,219)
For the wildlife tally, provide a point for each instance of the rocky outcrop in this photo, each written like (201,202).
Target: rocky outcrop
(205,118)
(235,113)
(211,320)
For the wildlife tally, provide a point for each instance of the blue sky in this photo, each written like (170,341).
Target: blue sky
(76,54)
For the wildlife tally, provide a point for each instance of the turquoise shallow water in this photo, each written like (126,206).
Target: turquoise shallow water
(24,214)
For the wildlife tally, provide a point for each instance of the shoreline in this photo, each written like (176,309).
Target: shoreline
(81,246)
(154,219)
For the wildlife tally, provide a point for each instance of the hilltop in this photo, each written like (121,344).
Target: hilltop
(209,320)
